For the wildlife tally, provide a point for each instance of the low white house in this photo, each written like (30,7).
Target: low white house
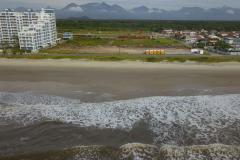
(67,36)
(197,51)
(229,40)
(190,40)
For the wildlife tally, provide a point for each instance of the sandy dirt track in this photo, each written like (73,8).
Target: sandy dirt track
(127,50)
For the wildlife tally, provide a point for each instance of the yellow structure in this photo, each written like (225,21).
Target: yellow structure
(155,52)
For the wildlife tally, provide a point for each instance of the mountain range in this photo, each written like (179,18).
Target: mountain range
(106,11)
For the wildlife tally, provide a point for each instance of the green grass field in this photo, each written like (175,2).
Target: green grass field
(88,42)
(163,42)
(78,41)
(133,57)
(73,46)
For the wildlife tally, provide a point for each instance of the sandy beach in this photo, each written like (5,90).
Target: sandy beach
(93,81)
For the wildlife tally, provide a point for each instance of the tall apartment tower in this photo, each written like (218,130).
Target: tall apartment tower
(33,30)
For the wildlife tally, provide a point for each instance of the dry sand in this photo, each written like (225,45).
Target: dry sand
(105,81)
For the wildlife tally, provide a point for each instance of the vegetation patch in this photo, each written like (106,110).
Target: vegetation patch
(147,25)
(133,57)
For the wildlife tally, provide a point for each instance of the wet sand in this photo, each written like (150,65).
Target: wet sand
(107,81)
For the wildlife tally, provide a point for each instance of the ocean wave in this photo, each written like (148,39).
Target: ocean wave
(173,120)
(137,151)
(27,98)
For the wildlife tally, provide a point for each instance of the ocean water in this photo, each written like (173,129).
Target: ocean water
(176,121)
(183,128)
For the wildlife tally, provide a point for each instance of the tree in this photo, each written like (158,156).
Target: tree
(201,44)
(16,45)
(5,47)
(221,45)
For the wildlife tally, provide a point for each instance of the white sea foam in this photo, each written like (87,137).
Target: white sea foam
(202,117)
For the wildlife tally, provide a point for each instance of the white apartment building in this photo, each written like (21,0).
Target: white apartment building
(33,30)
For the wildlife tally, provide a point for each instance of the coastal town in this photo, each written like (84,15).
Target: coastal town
(215,41)
(36,31)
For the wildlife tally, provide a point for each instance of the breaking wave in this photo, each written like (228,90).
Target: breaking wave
(172,120)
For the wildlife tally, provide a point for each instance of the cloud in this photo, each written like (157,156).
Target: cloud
(230,11)
(76,9)
(162,4)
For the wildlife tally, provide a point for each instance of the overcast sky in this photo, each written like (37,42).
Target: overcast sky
(162,4)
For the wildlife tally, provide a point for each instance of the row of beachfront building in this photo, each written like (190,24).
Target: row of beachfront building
(31,30)
(207,39)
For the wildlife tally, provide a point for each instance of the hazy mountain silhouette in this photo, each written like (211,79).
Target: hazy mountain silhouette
(106,11)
